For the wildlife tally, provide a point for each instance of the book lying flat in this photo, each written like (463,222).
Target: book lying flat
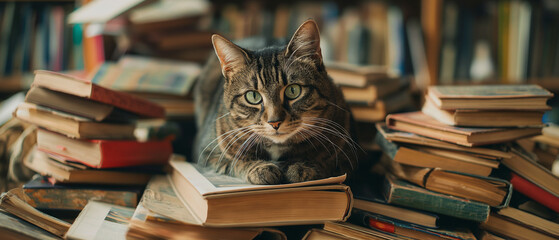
(102,153)
(84,89)
(511,229)
(377,111)
(483,118)
(535,192)
(369,94)
(354,231)
(45,195)
(496,97)
(148,224)
(59,172)
(528,219)
(436,158)
(493,191)
(71,125)
(14,202)
(492,152)
(402,193)
(13,227)
(530,169)
(419,123)
(219,200)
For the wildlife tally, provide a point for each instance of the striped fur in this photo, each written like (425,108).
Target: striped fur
(238,138)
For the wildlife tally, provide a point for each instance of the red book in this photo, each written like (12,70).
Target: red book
(79,87)
(534,192)
(106,153)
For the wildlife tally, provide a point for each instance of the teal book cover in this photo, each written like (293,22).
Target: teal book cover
(402,193)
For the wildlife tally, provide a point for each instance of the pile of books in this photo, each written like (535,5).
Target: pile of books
(456,161)
(92,143)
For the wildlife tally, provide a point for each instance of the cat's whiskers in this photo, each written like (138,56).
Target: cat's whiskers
(320,134)
(228,133)
(243,149)
(335,105)
(231,143)
(224,115)
(345,135)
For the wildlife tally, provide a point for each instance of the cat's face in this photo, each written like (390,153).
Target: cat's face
(276,92)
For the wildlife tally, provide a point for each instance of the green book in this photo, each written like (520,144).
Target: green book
(402,193)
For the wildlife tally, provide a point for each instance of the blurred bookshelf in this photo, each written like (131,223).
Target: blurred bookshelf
(455,42)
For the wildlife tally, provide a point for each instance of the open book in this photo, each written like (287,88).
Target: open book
(218,200)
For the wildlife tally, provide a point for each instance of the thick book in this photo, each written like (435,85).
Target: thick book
(146,223)
(14,202)
(495,97)
(102,153)
(100,220)
(13,227)
(436,158)
(321,234)
(419,123)
(483,118)
(402,193)
(88,90)
(60,172)
(220,200)
(511,229)
(528,219)
(495,192)
(495,152)
(527,167)
(378,206)
(45,195)
(77,106)
(71,125)
(353,231)
(535,192)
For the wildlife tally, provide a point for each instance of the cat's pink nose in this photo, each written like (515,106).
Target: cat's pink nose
(275,124)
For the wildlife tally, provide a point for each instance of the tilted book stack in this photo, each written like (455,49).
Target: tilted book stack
(445,157)
(92,142)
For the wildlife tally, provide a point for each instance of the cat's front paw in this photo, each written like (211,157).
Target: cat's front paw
(265,173)
(299,172)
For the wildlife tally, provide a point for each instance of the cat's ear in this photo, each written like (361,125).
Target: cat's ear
(305,42)
(231,57)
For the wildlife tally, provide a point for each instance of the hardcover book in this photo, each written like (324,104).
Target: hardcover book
(436,158)
(419,123)
(159,195)
(101,153)
(496,97)
(219,200)
(84,89)
(512,229)
(45,195)
(483,118)
(402,193)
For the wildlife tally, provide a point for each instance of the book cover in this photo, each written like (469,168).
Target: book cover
(103,153)
(422,124)
(76,86)
(489,91)
(44,195)
(160,196)
(402,193)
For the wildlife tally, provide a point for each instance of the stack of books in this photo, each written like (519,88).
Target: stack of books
(446,162)
(370,91)
(92,142)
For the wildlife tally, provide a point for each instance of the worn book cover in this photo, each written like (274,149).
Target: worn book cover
(400,192)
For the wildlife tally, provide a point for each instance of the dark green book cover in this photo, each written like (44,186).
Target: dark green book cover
(402,193)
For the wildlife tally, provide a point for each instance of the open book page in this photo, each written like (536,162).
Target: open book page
(101,221)
(207,182)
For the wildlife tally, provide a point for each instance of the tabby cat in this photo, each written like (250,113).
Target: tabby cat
(272,115)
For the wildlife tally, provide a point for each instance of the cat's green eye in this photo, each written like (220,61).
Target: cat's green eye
(253,97)
(293,91)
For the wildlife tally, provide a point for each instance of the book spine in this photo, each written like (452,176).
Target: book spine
(534,192)
(388,147)
(134,153)
(437,203)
